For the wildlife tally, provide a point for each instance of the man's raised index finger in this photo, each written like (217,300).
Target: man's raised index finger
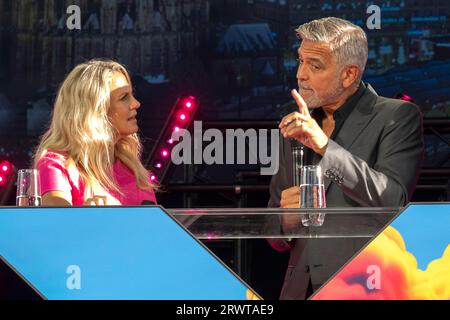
(300,102)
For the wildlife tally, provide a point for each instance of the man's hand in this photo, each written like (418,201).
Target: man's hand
(303,128)
(290,198)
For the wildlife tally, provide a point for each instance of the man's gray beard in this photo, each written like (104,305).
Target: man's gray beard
(314,103)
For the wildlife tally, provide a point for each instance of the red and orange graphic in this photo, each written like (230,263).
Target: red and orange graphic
(386,270)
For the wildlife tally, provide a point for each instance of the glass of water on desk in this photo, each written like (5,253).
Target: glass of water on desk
(312,195)
(28,188)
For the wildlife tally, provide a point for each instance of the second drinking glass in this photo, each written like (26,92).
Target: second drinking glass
(312,195)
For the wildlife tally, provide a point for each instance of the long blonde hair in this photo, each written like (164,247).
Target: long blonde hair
(81,128)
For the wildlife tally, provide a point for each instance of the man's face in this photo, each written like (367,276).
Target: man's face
(318,75)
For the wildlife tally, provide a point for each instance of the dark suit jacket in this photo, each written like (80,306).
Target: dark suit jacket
(374,161)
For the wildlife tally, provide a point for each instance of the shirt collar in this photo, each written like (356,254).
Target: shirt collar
(343,111)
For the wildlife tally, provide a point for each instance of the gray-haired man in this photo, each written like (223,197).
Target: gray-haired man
(369,147)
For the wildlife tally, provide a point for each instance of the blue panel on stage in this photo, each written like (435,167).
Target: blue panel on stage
(425,228)
(112,253)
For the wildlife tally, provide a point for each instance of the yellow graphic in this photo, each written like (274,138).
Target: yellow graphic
(251,295)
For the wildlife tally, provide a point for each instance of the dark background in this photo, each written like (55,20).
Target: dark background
(238,58)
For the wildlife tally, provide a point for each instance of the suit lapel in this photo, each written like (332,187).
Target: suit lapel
(355,124)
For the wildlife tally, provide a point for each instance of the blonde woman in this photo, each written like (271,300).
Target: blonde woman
(91,153)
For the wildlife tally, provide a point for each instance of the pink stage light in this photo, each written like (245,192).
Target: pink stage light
(165,153)
(189,103)
(182,117)
(5,167)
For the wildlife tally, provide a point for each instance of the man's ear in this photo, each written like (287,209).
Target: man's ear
(350,75)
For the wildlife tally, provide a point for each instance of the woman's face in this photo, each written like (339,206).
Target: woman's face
(123,106)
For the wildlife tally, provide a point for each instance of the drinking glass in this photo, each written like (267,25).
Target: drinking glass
(312,195)
(28,188)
